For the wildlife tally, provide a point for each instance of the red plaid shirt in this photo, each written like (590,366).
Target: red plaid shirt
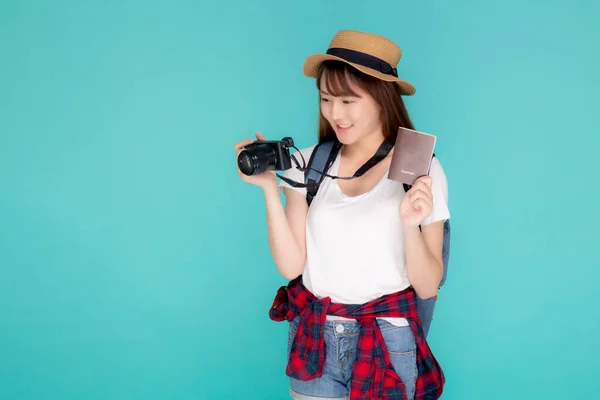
(373,376)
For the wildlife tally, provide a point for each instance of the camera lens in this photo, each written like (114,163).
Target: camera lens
(245,163)
(256,160)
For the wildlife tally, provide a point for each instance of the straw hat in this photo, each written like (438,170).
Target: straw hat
(372,54)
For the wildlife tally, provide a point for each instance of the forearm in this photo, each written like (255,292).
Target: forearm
(424,270)
(287,254)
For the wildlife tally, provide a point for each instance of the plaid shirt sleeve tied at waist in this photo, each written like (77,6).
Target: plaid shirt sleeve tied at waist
(373,375)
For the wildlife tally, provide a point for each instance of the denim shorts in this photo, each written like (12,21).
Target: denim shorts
(341,338)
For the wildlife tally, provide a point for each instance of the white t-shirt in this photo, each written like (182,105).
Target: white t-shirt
(355,245)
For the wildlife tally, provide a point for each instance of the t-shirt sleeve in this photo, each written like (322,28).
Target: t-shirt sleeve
(439,190)
(294,173)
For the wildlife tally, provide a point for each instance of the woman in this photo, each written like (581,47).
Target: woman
(364,249)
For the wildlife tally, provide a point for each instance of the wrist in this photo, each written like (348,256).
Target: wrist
(411,230)
(271,189)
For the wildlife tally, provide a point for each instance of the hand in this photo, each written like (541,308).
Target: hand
(417,203)
(265,179)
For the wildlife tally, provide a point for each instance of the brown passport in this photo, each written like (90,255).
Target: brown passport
(412,155)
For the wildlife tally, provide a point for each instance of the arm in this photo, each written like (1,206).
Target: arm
(424,257)
(423,248)
(286,230)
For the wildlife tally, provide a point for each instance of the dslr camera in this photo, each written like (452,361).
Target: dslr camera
(266,155)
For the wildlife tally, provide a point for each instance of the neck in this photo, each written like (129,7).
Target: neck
(364,148)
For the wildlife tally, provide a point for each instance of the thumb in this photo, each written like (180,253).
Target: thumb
(260,136)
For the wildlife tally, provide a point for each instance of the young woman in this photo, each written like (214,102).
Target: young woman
(363,250)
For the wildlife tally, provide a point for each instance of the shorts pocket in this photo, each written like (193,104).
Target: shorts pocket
(401,346)
(399,340)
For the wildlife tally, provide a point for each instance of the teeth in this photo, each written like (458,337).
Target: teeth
(345,126)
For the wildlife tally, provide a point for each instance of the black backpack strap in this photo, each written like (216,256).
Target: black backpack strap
(320,161)
(324,155)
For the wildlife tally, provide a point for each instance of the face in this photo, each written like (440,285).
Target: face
(353,118)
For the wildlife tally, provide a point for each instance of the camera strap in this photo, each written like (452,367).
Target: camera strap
(382,152)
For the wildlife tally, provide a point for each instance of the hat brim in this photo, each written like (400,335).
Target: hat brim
(313,63)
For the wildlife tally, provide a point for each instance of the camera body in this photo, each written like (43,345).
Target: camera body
(266,155)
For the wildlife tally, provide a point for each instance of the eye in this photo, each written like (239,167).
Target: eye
(348,101)
(323,99)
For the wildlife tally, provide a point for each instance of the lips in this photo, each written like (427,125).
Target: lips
(343,128)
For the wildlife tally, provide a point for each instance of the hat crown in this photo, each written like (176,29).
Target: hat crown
(369,53)
(369,43)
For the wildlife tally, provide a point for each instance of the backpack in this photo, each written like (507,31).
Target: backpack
(321,159)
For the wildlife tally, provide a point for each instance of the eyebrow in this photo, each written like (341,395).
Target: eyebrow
(324,93)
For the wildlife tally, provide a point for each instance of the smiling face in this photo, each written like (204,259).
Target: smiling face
(353,115)
(355,107)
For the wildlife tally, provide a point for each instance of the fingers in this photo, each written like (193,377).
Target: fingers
(423,180)
(423,206)
(420,196)
(238,146)
(421,199)
(418,193)
(423,185)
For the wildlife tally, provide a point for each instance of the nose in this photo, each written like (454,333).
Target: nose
(336,111)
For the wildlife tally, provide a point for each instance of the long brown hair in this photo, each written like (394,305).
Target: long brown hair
(339,75)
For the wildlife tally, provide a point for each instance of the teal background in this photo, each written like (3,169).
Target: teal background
(135,264)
